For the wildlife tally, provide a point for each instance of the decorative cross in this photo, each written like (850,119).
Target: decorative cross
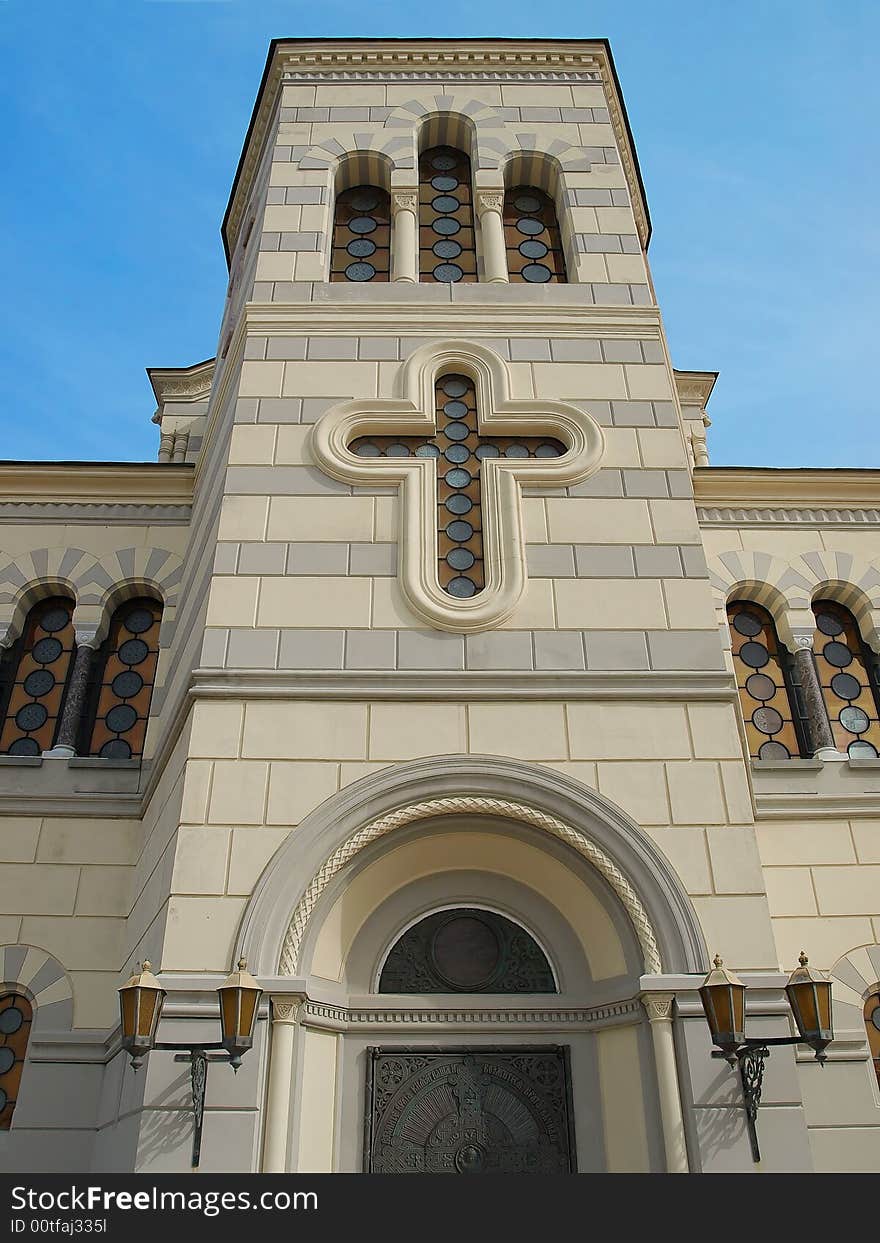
(461,539)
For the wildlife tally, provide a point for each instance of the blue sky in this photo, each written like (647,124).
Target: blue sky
(756,127)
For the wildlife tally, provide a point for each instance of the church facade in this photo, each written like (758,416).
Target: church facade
(434,671)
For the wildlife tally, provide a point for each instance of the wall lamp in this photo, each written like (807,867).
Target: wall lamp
(140,1007)
(724,1003)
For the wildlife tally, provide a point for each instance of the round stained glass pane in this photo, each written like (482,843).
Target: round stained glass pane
(455,409)
(874,1017)
(457,478)
(861,750)
(446,203)
(25,746)
(755,655)
(361,248)
(529,226)
(427,451)
(532,249)
(11,1020)
(116,749)
(854,720)
(444,183)
(457,454)
(527,202)
(466,952)
(454,386)
(368,450)
(45,651)
(516,451)
(446,226)
(120,718)
(460,558)
(3,1098)
(443,161)
(747,624)
(767,720)
(31,716)
(397,451)
(459,504)
(773,751)
(38,683)
(837,654)
(829,624)
(760,686)
(548,450)
(447,273)
(365,198)
(127,684)
(461,587)
(460,531)
(360,272)
(362,224)
(55,619)
(139,621)
(845,686)
(457,431)
(7,1060)
(133,651)
(446,248)
(536,274)
(484,451)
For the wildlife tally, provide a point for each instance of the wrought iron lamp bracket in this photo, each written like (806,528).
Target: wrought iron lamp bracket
(750,1057)
(198,1056)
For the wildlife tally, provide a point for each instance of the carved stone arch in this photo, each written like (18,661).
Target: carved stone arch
(122,575)
(330,153)
(43,980)
(456,119)
(850,581)
(765,580)
(648,888)
(363,167)
(35,575)
(854,976)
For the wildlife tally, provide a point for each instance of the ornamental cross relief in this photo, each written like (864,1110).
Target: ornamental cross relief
(459,448)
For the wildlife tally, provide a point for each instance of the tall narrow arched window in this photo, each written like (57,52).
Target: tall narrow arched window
(447,251)
(531,233)
(124,672)
(16,1017)
(765,688)
(361,235)
(872,1023)
(848,683)
(35,676)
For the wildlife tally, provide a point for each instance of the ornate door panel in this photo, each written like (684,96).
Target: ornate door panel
(469,1111)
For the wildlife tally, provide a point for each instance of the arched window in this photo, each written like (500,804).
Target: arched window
(16,1016)
(763,678)
(361,235)
(872,1022)
(34,678)
(466,951)
(115,722)
(843,663)
(447,251)
(531,232)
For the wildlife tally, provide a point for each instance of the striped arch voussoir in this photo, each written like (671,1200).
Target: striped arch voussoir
(34,575)
(43,980)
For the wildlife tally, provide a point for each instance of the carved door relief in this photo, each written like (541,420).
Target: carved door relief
(469,1111)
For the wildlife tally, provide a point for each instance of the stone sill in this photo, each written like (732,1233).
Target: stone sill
(786,766)
(73,780)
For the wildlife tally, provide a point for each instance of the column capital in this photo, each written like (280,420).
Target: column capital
(286,1007)
(658,1006)
(404,200)
(86,635)
(802,641)
(489,201)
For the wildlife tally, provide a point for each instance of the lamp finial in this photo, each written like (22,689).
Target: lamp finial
(802,959)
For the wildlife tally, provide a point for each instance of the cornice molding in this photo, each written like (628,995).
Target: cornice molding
(750,515)
(814,806)
(767,487)
(99,513)
(88,483)
(445,685)
(440,61)
(327,1016)
(182,383)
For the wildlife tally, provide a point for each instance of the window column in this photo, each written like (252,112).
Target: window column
(816,718)
(404,237)
(490,209)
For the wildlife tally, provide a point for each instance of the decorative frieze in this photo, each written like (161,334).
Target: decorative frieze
(713,515)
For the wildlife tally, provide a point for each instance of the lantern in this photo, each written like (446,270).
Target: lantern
(723,998)
(239,998)
(140,1007)
(809,995)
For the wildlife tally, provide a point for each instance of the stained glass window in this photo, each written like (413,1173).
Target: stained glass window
(361,235)
(531,233)
(872,1023)
(844,667)
(459,450)
(16,1017)
(125,670)
(447,251)
(762,675)
(466,951)
(36,674)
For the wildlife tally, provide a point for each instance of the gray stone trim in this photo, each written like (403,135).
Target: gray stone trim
(98,513)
